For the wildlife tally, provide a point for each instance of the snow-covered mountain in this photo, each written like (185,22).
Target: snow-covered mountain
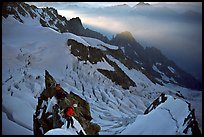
(48,17)
(151,61)
(117,90)
(142,4)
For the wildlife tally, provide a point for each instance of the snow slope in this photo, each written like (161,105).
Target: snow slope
(98,44)
(164,120)
(66,131)
(11,128)
(28,50)
(60,131)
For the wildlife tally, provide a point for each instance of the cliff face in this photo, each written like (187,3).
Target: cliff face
(46,118)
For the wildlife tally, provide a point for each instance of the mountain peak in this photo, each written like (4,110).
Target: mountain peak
(123,38)
(126,34)
(143,4)
(76,21)
(123,5)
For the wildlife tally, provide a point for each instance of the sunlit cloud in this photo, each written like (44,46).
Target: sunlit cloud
(68,13)
(97,21)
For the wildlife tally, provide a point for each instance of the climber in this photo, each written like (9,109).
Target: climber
(59,92)
(69,112)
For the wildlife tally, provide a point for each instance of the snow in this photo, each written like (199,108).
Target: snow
(149,125)
(192,96)
(159,121)
(22,115)
(112,107)
(51,103)
(104,65)
(133,74)
(156,69)
(171,69)
(78,39)
(27,97)
(164,77)
(60,131)
(11,128)
(138,62)
(172,79)
(66,131)
(123,49)
(158,63)
(98,43)
(135,53)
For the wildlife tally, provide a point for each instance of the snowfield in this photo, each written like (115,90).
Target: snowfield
(30,49)
(99,44)
(162,120)
(66,131)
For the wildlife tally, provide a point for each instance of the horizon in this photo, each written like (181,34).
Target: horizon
(105,4)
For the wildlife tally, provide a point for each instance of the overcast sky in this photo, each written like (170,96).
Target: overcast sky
(180,39)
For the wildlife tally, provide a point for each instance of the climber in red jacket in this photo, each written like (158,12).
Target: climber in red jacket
(69,112)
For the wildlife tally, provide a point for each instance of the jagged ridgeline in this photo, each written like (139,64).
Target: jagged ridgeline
(156,66)
(150,60)
(45,121)
(188,124)
(116,82)
(49,17)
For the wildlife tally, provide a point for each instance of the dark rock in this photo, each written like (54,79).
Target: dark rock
(44,122)
(94,55)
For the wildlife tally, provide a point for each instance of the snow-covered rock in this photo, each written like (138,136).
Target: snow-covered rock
(111,106)
(168,118)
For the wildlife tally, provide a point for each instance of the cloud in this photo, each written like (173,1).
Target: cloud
(97,21)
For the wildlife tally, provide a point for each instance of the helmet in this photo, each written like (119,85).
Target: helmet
(75,105)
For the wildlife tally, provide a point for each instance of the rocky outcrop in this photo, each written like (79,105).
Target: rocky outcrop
(45,120)
(85,53)
(94,55)
(155,103)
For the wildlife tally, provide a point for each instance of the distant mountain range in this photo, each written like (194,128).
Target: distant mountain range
(150,60)
(118,85)
(143,4)
(157,11)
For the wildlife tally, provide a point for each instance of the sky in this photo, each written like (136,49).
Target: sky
(178,37)
(103,4)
